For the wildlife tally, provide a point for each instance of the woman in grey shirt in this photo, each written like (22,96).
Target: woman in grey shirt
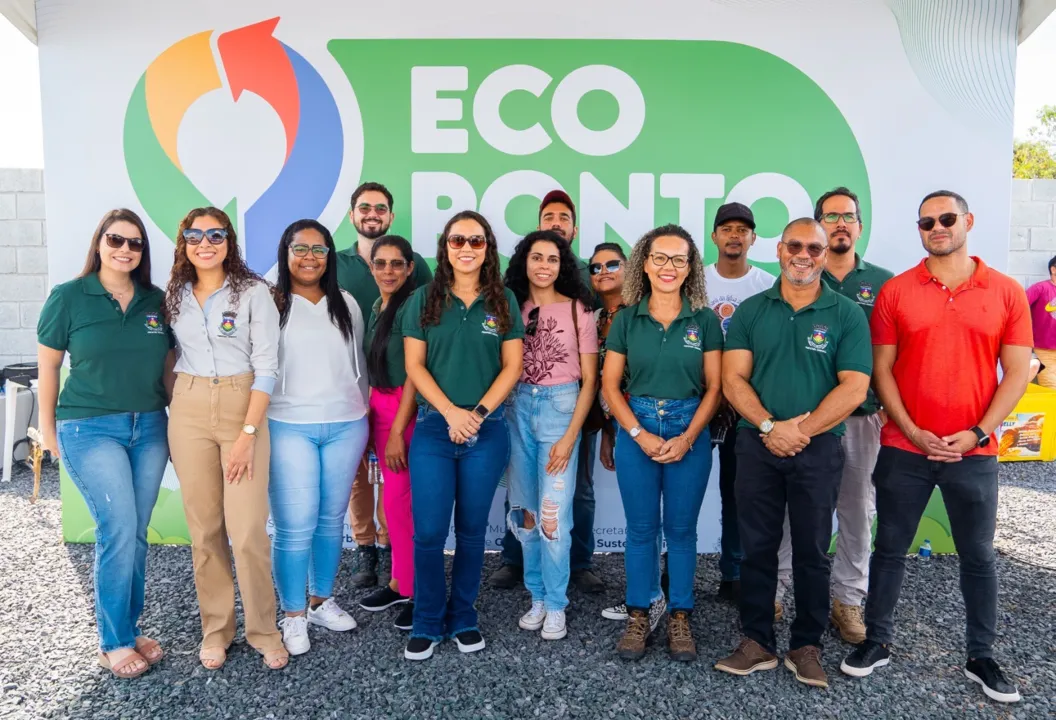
(227,331)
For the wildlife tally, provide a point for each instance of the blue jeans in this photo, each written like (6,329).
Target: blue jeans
(540,416)
(679,487)
(311,473)
(117,462)
(447,478)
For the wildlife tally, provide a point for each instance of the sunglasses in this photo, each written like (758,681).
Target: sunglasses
(118,241)
(302,250)
(381,209)
(398,264)
(216,236)
(459,241)
(677,261)
(836,217)
(533,322)
(610,266)
(795,247)
(947,220)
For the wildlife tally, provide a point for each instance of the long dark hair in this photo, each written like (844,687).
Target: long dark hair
(141,274)
(377,353)
(568,282)
(239,276)
(491,286)
(336,307)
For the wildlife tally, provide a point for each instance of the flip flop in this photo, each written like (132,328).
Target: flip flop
(119,671)
(276,655)
(216,654)
(145,646)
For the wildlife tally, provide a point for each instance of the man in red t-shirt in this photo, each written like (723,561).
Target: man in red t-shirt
(939,331)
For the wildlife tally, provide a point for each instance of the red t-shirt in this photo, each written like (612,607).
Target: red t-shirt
(948,345)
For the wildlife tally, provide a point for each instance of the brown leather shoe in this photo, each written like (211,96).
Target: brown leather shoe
(747,658)
(680,641)
(849,621)
(632,645)
(806,664)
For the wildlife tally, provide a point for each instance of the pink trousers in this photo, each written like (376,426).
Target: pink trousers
(397,496)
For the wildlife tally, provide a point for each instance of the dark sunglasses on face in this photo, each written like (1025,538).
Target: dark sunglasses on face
(399,264)
(216,236)
(459,241)
(301,250)
(947,220)
(365,208)
(533,322)
(795,247)
(848,218)
(116,241)
(610,266)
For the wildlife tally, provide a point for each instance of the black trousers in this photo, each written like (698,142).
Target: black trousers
(809,483)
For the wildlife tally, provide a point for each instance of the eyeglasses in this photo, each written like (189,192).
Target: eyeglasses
(678,261)
(118,241)
(610,266)
(533,322)
(302,250)
(216,236)
(381,209)
(795,247)
(836,217)
(399,264)
(475,241)
(947,220)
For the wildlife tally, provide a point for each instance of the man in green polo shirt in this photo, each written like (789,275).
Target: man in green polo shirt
(847,273)
(797,362)
(371,214)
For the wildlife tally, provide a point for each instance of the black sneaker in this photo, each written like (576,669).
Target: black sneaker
(988,673)
(419,648)
(384,565)
(364,566)
(405,620)
(730,592)
(382,599)
(864,658)
(469,641)
(506,577)
(587,582)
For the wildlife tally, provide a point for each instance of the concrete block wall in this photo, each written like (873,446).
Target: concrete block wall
(23,263)
(1032,235)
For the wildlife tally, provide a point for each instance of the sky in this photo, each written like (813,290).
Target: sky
(22,145)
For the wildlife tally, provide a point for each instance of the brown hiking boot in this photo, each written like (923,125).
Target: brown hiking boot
(632,645)
(747,658)
(680,641)
(806,664)
(849,620)
(779,611)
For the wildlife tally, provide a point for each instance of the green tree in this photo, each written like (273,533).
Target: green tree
(1034,157)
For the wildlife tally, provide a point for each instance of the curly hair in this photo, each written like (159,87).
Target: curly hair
(636,284)
(437,298)
(239,276)
(569,280)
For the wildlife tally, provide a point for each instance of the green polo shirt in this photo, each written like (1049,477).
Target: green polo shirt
(355,278)
(116,359)
(464,353)
(796,355)
(394,362)
(861,285)
(661,363)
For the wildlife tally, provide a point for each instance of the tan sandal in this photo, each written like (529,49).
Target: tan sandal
(214,654)
(121,671)
(149,649)
(276,656)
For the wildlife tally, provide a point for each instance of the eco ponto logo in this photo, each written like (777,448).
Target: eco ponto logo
(252,60)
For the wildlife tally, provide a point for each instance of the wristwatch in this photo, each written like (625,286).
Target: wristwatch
(984,439)
(481,411)
(635,432)
(766,426)
(249,429)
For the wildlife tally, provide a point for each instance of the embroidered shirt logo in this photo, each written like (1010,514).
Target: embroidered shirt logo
(865,294)
(153,324)
(819,338)
(692,338)
(227,324)
(490,325)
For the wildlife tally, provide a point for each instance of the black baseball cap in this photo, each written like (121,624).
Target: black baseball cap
(734,211)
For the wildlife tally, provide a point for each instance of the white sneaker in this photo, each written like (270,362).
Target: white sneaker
(616,612)
(332,617)
(533,619)
(295,634)
(657,610)
(554,628)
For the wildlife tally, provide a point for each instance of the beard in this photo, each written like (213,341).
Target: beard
(814,275)
(841,244)
(956,243)
(372,233)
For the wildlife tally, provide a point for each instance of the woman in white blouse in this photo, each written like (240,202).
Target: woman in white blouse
(318,424)
(227,334)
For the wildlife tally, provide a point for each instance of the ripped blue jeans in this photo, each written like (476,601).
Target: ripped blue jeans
(541,504)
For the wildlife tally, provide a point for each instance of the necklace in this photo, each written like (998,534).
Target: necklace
(117,295)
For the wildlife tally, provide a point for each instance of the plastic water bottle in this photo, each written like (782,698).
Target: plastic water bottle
(374,476)
(472,440)
(925,549)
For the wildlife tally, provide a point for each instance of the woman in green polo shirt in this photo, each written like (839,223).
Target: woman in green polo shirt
(463,340)
(670,343)
(109,424)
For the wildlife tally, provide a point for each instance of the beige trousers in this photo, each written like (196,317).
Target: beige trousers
(361,509)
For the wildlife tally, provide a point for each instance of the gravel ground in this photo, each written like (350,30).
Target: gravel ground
(48,641)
